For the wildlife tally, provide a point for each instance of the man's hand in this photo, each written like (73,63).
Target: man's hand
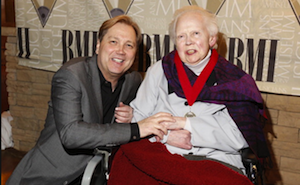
(152,125)
(178,124)
(123,113)
(180,139)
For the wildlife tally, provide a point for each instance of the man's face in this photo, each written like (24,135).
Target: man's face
(116,52)
(192,38)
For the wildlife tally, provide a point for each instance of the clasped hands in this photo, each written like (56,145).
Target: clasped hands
(158,125)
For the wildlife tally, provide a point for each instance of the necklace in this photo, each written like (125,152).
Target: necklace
(191,92)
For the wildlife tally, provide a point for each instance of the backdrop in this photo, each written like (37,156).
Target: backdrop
(260,36)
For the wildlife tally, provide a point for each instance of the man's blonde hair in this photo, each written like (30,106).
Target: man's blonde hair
(120,19)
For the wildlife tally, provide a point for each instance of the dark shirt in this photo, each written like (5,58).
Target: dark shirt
(109,97)
(109,102)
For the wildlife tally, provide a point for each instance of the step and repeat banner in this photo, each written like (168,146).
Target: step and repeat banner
(262,37)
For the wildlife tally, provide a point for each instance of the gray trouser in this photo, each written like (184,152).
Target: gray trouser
(200,157)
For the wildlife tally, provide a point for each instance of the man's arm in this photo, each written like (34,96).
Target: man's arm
(76,117)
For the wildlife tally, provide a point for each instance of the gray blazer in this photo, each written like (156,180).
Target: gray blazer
(73,126)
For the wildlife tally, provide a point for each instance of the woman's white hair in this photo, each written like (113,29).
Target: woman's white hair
(209,20)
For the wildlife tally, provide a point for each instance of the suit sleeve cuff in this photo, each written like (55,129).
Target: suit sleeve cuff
(135,132)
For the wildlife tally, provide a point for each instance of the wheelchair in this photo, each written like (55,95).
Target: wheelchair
(97,170)
(254,169)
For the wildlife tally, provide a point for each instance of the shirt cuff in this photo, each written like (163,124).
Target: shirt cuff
(188,125)
(135,132)
(165,139)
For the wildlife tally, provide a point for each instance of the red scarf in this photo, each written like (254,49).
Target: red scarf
(191,92)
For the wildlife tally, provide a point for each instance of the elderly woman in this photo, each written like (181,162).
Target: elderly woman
(216,105)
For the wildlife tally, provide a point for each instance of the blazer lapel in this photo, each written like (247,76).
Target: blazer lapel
(92,70)
(126,87)
(124,91)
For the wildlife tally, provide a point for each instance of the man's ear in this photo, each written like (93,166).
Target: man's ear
(97,47)
(212,41)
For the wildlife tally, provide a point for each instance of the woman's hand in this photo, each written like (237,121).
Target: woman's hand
(180,139)
(178,124)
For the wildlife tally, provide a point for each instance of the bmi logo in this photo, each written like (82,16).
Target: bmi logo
(44,9)
(216,5)
(213,6)
(120,7)
(117,7)
(295,4)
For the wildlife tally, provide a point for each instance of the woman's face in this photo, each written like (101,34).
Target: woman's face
(192,38)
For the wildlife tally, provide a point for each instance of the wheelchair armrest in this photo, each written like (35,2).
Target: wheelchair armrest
(248,157)
(254,170)
(105,152)
(98,166)
(90,168)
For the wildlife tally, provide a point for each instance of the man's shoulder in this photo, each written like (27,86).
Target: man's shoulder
(76,67)
(79,64)
(76,62)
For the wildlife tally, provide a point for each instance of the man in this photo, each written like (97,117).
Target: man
(82,113)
